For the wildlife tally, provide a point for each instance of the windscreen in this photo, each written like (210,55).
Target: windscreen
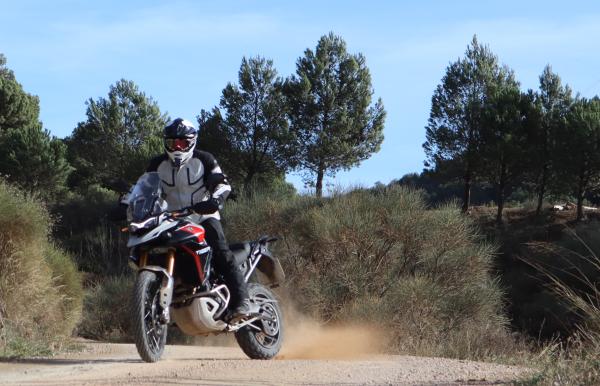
(145,199)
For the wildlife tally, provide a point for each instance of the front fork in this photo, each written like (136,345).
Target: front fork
(166,287)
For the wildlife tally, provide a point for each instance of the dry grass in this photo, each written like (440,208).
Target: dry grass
(106,314)
(40,288)
(575,361)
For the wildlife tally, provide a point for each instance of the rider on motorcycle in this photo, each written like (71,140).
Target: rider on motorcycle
(192,179)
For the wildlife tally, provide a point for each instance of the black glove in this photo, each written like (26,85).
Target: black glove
(207,207)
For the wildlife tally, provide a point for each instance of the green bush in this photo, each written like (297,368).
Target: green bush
(106,313)
(381,256)
(84,230)
(40,288)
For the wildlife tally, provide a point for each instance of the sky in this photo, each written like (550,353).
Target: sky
(183,53)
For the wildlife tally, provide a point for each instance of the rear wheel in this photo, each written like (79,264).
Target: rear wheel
(149,333)
(263,338)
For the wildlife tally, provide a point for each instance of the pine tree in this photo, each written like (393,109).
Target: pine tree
(580,155)
(454,129)
(554,101)
(17,108)
(336,126)
(120,135)
(250,131)
(35,160)
(503,139)
(29,156)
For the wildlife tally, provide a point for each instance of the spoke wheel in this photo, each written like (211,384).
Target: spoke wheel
(149,333)
(263,339)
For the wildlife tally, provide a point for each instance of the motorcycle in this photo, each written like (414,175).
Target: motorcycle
(177,284)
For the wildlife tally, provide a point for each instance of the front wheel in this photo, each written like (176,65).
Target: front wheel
(263,338)
(149,333)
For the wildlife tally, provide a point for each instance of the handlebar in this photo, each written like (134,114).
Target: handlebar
(174,215)
(158,218)
(180,213)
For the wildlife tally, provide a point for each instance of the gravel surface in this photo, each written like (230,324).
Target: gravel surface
(119,364)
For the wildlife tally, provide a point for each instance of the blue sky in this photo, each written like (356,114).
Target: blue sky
(182,53)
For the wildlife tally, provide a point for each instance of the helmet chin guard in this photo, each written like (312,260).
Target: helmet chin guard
(179,158)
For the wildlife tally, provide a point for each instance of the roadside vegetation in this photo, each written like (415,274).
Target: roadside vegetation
(40,286)
(378,257)
(572,276)
(382,258)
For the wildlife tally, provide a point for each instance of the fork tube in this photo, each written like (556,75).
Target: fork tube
(143,259)
(171,262)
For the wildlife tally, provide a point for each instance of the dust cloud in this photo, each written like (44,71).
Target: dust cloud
(306,339)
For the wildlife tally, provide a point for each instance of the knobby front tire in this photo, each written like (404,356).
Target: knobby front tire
(149,334)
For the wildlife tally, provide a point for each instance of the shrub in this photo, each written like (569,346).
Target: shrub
(106,314)
(573,273)
(381,256)
(106,310)
(85,231)
(40,288)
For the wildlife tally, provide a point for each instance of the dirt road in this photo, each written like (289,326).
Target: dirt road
(119,364)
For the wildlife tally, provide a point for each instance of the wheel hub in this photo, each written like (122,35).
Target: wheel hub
(270,324)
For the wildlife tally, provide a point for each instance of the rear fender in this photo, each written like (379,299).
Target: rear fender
(166,287)
(268,264)
(271,268)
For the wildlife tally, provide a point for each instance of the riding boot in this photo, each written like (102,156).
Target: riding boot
(224,261)
(238,288)
(240,304)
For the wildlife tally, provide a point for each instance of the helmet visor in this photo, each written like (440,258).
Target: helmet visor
(179,144)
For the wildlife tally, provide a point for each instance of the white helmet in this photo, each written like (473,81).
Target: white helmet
(179,140)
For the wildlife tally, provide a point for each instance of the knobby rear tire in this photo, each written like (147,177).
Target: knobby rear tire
(259,345)
(150,337)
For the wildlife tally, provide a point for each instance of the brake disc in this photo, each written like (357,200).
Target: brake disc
(270,322)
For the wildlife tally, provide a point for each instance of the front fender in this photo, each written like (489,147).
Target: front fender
(166,287)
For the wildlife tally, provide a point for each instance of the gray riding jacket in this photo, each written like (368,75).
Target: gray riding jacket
(187,185)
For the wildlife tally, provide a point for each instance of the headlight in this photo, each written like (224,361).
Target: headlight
(150,223)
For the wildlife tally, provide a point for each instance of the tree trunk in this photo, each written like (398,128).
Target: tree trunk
(580,193)
(249,176)
(579,207)
(542,190)
(501,188)
(319,185)
(467,193)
